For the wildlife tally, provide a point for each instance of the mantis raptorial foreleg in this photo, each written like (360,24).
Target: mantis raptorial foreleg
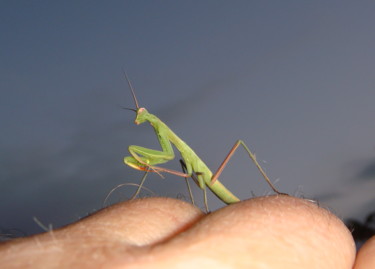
(143,158)
(150,158)
(143,166)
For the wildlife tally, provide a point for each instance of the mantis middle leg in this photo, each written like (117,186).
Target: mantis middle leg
(197,177)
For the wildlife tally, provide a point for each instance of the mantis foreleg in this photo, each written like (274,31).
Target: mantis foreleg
(142,158)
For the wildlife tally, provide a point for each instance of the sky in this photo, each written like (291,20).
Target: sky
(293,79)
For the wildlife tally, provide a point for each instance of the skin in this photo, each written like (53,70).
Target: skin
(265,232)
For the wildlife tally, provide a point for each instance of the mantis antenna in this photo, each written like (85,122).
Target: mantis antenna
(132,90)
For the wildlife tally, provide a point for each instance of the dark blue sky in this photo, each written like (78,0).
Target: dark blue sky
(294,79)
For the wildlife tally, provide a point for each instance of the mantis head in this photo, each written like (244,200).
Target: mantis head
(141,112)
(141,115)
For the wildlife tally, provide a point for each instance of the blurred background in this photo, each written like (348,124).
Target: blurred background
(294,79)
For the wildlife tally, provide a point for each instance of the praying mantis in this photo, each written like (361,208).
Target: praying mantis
(146,159)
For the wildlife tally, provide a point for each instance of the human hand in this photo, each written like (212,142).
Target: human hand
(265,232)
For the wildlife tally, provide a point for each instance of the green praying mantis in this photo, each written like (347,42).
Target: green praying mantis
(146,159)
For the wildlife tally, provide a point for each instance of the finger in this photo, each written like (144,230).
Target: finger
(142,222)
(366,255)
(266,232)
(105,239)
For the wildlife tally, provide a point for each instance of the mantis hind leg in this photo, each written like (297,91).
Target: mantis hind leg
(253,158)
